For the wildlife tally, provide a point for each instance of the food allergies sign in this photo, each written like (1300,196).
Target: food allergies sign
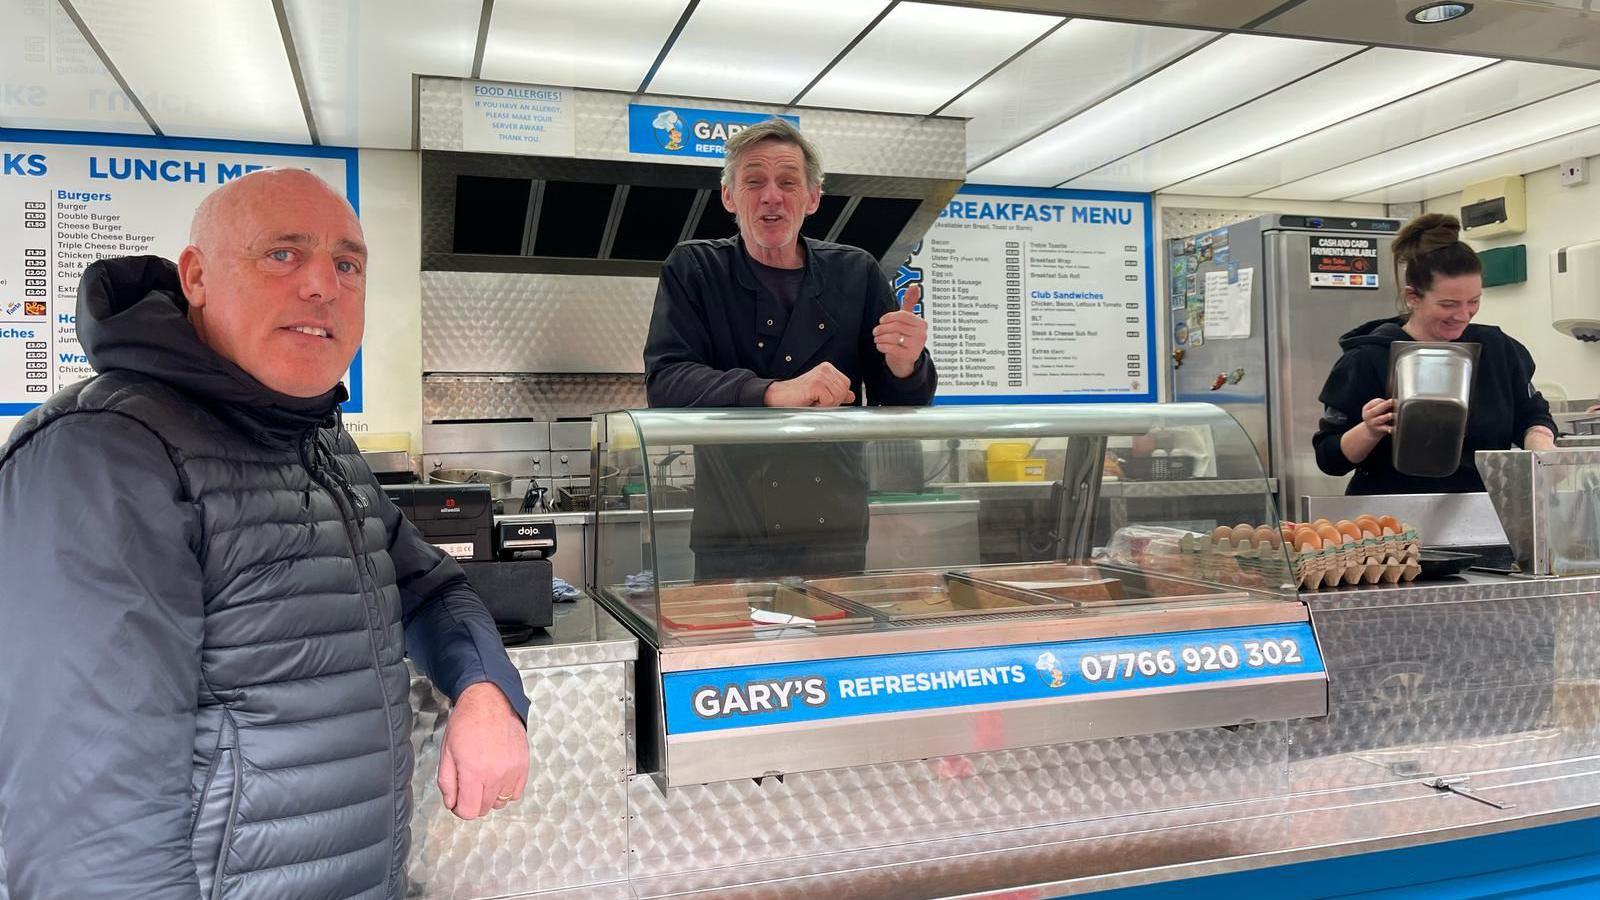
(688,132)
(1038,296)
(68,199)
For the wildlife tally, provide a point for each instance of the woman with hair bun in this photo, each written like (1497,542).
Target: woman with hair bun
(1442,285)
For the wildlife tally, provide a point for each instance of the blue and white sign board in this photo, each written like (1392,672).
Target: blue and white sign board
(783,693)
(686,131)
(527,119)
(68,199)
(1035,295)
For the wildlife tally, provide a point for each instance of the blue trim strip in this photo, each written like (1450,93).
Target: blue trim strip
(17,409)
(1151,394)
(1549,861)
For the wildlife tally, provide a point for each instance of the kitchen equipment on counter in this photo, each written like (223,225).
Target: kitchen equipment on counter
(1549,504)
(498,483)
(1431,383)
(523,539)
(1444,563)
(456,518)
(517,592)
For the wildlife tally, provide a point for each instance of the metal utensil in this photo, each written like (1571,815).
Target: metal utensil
(1431,383)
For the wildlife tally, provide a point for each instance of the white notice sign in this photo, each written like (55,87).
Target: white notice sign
(65,203)
(1036,295)
(1227,304)
(529,119)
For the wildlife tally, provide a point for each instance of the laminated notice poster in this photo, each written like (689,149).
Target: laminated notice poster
(68,199)
(1036,295)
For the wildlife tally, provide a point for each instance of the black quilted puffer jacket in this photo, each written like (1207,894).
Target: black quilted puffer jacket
(207,602)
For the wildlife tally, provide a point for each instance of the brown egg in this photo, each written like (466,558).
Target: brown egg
(1330,536)
(1349,529)
(1244,535)
(1268,536)
(1389,524)
(1221,533)
(1305,538)
(1320,522)
(1369,526)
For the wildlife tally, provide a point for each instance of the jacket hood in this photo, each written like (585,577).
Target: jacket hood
(132,315)
(1377,333)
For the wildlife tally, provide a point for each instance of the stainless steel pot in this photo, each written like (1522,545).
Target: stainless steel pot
(1431,382)
(499,483)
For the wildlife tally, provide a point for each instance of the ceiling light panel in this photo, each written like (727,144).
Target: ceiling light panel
(726,50)
(1541,121)
(203,69)
(1204,84)
(1080,64)
(1543,155)
(53,79)
(1483,93)
(923,54)
(358,58)
(579,43)
(1354,86)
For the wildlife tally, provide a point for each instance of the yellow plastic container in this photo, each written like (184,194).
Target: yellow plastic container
(1016,469)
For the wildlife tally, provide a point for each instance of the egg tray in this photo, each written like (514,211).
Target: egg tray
(1389,559)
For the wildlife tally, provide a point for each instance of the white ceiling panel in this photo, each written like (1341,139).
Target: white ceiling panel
(1071,70)
(51,77)
(1487,92)
(1359,84)
(578,43)
(1543,155)
(1518,128)
(726,48)
(923,54)
(358,58)
(1204,84)
(203,69)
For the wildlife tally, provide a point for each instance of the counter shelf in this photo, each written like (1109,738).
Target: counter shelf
(769,646)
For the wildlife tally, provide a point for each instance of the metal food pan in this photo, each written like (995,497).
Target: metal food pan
(1094,586)
(919,595)
(706,607)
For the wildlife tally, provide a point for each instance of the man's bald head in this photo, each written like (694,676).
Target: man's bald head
(275,279)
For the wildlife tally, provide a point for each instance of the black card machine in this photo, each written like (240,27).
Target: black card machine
(525,540)
(456,518)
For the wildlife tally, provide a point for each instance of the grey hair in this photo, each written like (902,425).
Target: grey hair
(773,129)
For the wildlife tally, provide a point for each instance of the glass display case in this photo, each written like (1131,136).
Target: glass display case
(819,588)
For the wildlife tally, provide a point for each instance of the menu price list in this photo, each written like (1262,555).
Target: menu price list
(1036,316)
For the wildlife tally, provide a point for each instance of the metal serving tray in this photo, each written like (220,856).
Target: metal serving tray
(711,607)
(923,595)
(1094,586)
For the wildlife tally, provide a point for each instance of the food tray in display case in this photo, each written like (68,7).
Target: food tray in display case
(1093,585)
(747,604)
(923,595)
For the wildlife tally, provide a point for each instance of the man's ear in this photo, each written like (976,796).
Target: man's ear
(727,200)
(191,276)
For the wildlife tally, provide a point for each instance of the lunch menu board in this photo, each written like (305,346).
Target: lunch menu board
(1038,295)
(68,199)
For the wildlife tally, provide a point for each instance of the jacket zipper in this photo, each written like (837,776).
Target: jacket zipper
(350,506)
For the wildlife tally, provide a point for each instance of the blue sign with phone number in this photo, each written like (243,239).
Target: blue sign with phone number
(751,696)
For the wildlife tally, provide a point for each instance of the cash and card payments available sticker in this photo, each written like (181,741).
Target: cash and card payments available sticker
(780,693)
(688,131)
(1349,262)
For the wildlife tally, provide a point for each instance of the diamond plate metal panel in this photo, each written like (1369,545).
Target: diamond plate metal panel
(730,823)
(439,114)
(490,322)
(1179,221)
(538,397)
(850,142)
(569,828)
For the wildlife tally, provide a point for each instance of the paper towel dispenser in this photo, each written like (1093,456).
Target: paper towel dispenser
(1575,291)
(1494,207)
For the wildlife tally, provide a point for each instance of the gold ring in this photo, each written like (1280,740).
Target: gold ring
(902,340)
(504,799)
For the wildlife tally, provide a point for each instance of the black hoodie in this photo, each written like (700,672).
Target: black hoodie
(1504,406)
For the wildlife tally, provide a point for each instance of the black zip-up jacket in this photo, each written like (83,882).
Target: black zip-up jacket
(207,604)
(1504,406)
(718,338)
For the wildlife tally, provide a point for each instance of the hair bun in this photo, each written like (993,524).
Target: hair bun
(1443,234)
(1425,234)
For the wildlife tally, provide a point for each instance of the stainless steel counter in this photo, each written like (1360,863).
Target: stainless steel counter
(583,634)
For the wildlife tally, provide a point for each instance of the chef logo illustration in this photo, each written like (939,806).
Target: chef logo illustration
(1050,669)
(669,130)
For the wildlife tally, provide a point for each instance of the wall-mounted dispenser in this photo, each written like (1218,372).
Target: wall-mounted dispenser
(1575,290)
(1494,207)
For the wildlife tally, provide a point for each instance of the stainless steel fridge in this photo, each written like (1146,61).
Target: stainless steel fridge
(1283,288)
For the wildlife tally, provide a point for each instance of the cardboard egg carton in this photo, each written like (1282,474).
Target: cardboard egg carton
(1387,559)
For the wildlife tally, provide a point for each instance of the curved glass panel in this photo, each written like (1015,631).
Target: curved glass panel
(761,524)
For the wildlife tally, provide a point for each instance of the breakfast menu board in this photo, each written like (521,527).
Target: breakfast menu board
(1037,295)
(69,199)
